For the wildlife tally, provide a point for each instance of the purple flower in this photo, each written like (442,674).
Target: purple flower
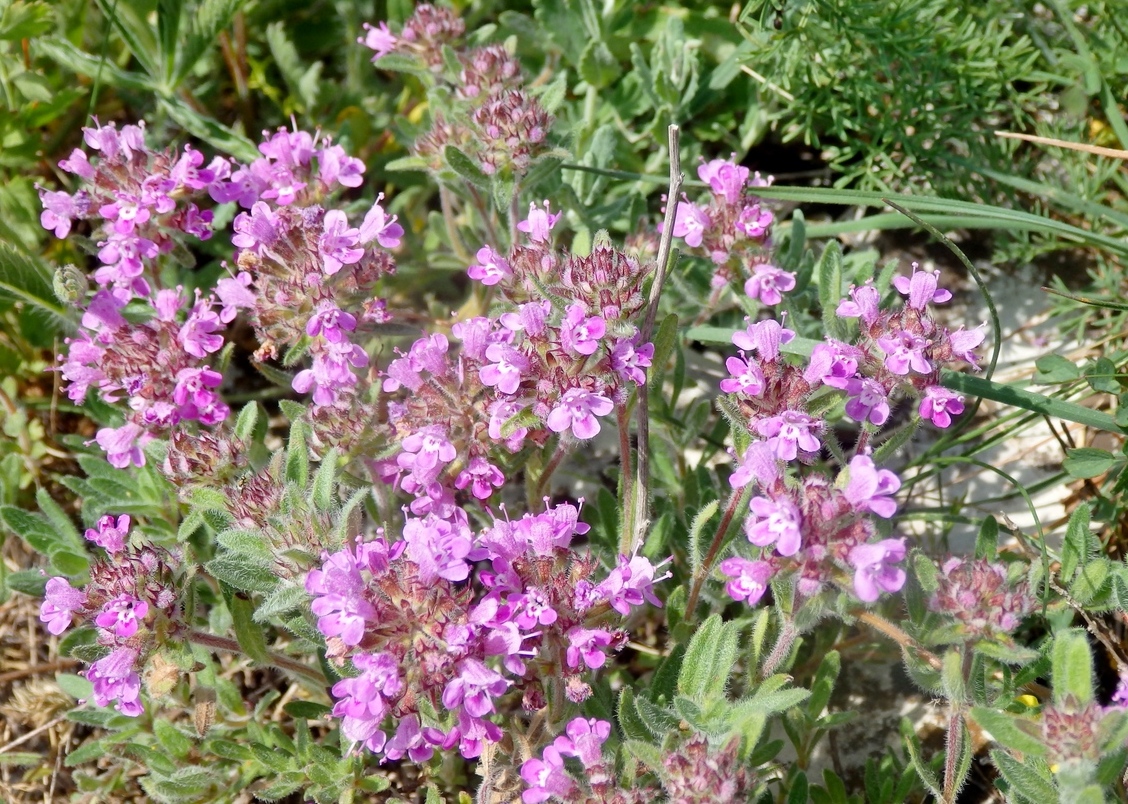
(962,341)
(905,351)
(768,284)
(426,354)
(491,267)
(758,463)
(870,488)
(630,583)
(921,288)
(379,227)
(690,223)
(482,476)
(197,336)
(121,615)
(577,409)
(378,39)
(256,231)
(586,737)
(868,400)
(506,368)
(334,165)
(939,405)
(873,570)
(60,602)
(234,294)
(474,688)
(725,178)
(110,536)
(330,322)
(58,210)
(754,221)
(833,363)
(777,522)
(535,609)
(788,433)
(103,313)
(193,393)
(340,605)
(748,579)
(440,549)
(127,211)
(114,678)
(409,739)
(331,372)
(585,647)
(863,303)
(546,778)
(747,378)
(580,334)
(362,702)
(337,243)
(122,445)
(78,164)
(539,223)
(764,337)
(628,361)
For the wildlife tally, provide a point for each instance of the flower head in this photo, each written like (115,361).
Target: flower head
(874,572)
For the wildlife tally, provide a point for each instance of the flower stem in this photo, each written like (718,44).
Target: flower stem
(906,642)
(548,471)
(640,519)
(626,472)
(281,661)
(714,547)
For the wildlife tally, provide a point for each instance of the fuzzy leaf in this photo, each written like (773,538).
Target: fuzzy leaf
(708,660)
(466,167)
(1072,662)
(26,279)
(1025,778)
(1087,462)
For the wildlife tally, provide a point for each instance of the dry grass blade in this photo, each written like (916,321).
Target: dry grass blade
(1073,146)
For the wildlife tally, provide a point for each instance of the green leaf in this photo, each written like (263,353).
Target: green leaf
(75,686)
(466,167)
(297,455)
(325,483)
(169,13)
(1025,778)
(245,424)
(1027,400)
(285,598)
(696,528)
(1088,462)
(1101,376)
(1053,369)
(236,571)
(830,289)
(247,631)
(310,710)
(987,542)
(598,65)
(1091,581)
(708,660)
(664,342)
(210,130)
(1072,663)
(71,58)
(127,19)
(171,739)
(1075,547)
(20,20)
(212,17)
(27,280)
(406,163)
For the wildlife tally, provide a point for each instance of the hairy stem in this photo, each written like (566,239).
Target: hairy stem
(282,661)
(906,642)
(641,516)
(714,548)
(626,472)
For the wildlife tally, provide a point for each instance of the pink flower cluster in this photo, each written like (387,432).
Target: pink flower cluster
(809,526)
(981,598)
(155,357)
(416,631)
(130,597)
(547,778)
(734,228)
(558,358)
(490,118)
